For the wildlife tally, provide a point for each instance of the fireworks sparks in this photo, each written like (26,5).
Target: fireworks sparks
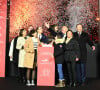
(63,12)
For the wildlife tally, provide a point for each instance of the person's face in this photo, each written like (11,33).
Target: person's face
(17,32)
(69,34)
(35,34)
(40,30)
(24,33)
(56,28)
(64,29)
(79,28)
(30,28)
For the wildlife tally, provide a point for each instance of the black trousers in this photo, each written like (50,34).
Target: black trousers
(71,66)
(22,73)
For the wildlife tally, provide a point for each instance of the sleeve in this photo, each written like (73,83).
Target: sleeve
(64,46)
(19,44)
(44,39)
(89,41)
(11,48)
(77,49)
(52,32)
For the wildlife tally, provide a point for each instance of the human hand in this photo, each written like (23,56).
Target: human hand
(93,48)
(47,24)
(77,59)
(11,58)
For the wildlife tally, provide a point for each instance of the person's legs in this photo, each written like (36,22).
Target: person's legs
(73,63)
(33,77)
(60,71)
(61,76)
(28,77)
(34,68)
(22,74)
(83,72)
(78,73)
(33,74)
(69,71)
(28,74)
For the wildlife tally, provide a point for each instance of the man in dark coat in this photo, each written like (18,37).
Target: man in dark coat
(63,31)
(43,38)
(83,39)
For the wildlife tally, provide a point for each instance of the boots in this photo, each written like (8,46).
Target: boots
(61,83)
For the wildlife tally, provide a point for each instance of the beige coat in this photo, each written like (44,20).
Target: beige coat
(20,44)
(29,53)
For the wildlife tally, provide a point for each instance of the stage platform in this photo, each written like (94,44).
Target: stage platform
(12,84)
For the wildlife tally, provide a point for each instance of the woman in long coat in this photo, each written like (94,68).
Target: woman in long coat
(20,46)
(31,45)
(71,55)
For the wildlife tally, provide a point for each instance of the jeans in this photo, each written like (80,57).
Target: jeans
(60,71)
(81,72)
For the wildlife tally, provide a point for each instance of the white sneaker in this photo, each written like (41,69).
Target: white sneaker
(32,83)
(28,83)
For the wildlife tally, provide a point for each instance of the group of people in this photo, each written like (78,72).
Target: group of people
(69,47)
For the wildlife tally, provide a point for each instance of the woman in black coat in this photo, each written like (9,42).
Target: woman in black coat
(71,55)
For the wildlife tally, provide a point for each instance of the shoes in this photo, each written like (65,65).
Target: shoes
(61,83)
(69,85)
(28,83)
(74,84)
(32,83)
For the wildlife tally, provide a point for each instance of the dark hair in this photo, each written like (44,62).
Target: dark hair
(21,32)
(37,28)
(70,31)
(65,26)
(53,26)
(59,36)
(32,32)
(50,39)
(79,24)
